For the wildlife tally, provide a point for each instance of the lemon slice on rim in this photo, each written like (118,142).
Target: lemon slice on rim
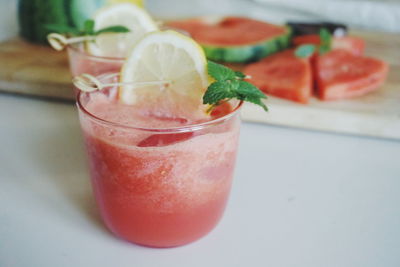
(178,63)
(129,15)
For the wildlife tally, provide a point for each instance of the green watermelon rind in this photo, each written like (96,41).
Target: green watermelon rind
(251,52)
(33,15)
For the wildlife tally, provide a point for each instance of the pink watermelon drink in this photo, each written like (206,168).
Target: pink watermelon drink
(158,181)
(162,139)
(80,61)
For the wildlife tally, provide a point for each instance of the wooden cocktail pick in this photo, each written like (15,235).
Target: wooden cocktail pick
(88,83)
(59,41)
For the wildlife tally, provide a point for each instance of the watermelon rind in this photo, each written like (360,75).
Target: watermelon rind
(251,52)
(33,15)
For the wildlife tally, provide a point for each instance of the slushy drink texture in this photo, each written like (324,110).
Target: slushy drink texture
(158,181)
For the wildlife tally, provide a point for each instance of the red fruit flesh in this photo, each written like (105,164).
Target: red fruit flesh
(306,39)
(283,75)
(165,139)
(221,110)
(340,74)
(354,45)
(230,31)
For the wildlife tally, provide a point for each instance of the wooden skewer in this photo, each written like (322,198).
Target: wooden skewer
(89,83)
(59,42)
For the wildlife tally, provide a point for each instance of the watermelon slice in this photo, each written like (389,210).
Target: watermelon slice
(283,75)
(340,74)
(235,39)
(352,44)
(165,139)
(306,39)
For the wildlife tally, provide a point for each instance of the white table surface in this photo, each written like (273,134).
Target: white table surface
(300,198)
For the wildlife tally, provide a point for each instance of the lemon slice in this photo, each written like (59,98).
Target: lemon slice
(129,15)
(179,65)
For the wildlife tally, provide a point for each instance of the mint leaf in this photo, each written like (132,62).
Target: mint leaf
(62,29)
(304,51)
(250,93)
(324,49)
(245,89)
(88,27)
(326,41)
(257,101)
(325,36)
(217,91)
(113,29)
(220,72)
(230,84)
(240,75)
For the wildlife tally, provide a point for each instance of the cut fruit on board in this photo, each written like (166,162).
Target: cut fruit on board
(235,39)
(283,75)
(341,75)
(352,44)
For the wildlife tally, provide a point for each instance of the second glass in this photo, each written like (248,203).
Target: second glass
(81,61)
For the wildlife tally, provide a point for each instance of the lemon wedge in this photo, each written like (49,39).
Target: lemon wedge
(178,63)
(136,19)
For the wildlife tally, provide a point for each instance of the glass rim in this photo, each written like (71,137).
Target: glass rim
(175,129)
(75,48)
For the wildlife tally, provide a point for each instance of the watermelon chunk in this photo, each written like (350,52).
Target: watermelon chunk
(352,44)
(306,39)
(235,39)
(165,139)
(340,74)
(283,75)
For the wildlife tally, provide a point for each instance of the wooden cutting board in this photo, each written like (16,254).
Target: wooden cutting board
(41,71)
(34,70)
(376,114)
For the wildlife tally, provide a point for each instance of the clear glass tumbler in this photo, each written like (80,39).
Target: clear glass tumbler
(81,61)
(160,187)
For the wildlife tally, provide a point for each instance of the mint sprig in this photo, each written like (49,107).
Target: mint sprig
(307,50)
(326,41)
(87,30)
(88,27)
(112,29)
(62,29)
(230,84)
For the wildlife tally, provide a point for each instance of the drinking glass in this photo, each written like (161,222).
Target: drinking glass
(159,187)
